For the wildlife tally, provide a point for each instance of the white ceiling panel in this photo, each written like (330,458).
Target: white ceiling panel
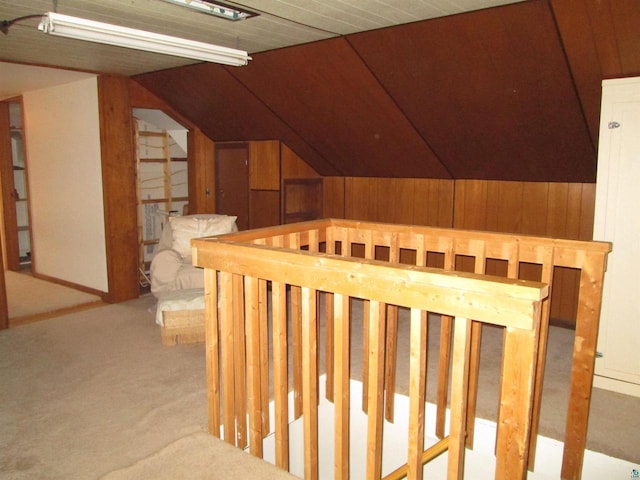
(281,23)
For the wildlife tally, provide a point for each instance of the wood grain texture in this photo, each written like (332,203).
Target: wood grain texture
(264,165)
(514,303)
(400,200)
(119,187)
(560,210)
(394,102)
(201,173)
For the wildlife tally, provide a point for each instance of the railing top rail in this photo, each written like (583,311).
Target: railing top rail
(496,300)
(566,253)
(324,224)
(588,245)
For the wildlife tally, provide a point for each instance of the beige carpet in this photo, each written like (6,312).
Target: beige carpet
(200,456)
(94,395)
(614,420)
(27,295)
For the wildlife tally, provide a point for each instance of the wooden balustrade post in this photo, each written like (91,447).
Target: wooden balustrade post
(516,399)
(584,354)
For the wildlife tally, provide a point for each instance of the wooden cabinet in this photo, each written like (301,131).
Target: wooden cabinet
(264,183)
(617,221)
(263,171)
(302,199)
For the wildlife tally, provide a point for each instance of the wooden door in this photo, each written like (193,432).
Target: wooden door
(232,181)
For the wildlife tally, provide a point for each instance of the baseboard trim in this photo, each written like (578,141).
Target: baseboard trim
(618,386)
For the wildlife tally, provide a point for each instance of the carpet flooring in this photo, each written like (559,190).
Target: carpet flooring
(95,395)
(28,296)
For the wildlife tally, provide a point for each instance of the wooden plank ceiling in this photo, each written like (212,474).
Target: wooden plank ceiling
(507,93)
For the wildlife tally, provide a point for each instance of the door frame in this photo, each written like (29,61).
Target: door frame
(11,251)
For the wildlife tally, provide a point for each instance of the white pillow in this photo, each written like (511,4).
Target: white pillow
(183,229)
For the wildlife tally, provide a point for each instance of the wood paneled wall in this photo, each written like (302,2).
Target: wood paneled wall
(561,210)
(415,201)
(119,187)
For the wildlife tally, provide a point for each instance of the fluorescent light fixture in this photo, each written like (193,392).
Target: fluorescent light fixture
(216,9)
(82,29)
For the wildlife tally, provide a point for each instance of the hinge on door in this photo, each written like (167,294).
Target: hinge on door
(613,125)
(599,354)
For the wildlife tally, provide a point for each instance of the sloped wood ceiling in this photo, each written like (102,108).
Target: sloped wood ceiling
(508,93)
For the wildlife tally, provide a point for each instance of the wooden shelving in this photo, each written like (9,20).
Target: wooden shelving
(156,167)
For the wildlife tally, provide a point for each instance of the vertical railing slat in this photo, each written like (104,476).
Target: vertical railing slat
(417,386)
(334,235)
(309,382)
(478,250)
(226,357)
(314,247)
(459,388)
(342,395)
(293,241)
(391,350)
(252,329)
(444,357)
(239,362)
(263,314)
(375,401)
(280,377)
(369,253)
(296,349)
(212,342)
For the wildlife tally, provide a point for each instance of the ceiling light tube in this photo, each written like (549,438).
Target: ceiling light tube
(82,29)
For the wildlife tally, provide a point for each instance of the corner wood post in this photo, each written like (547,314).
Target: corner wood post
(584,353)
(516,399)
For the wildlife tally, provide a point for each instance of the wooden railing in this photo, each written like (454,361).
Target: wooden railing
(277,273)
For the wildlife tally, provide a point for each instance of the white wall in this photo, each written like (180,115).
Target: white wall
(65,183)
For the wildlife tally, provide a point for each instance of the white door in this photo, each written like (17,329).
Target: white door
(618,220)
